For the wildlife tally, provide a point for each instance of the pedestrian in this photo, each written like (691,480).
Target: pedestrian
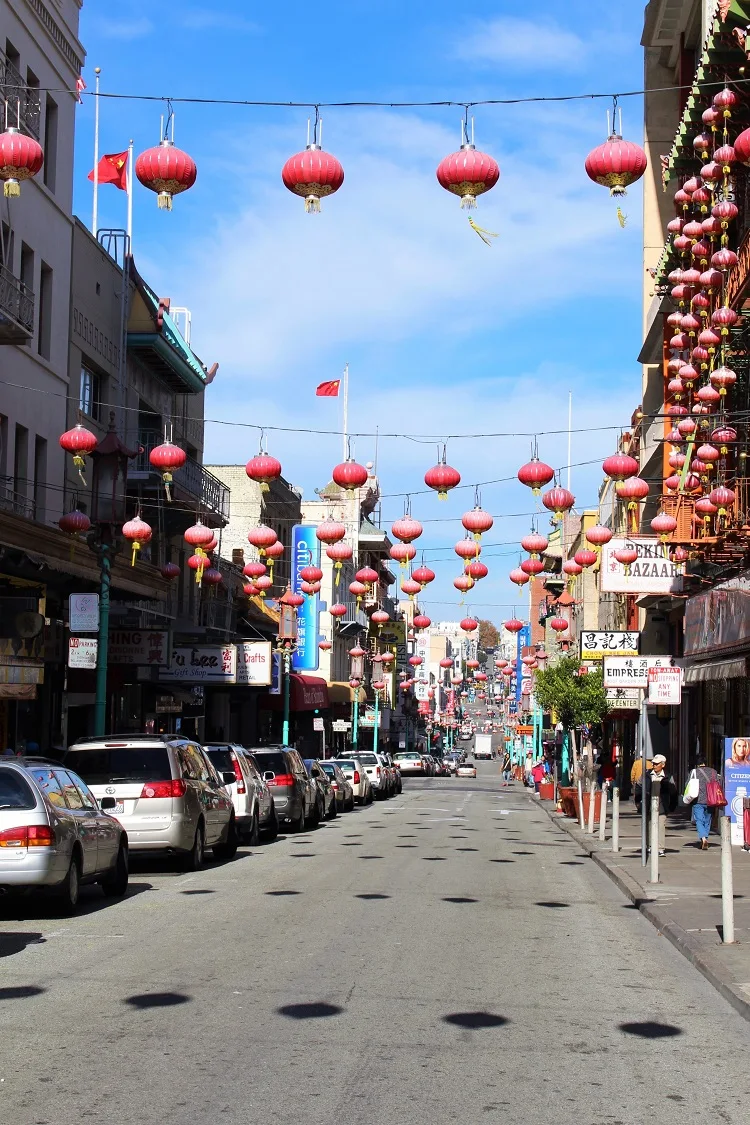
(606,773)
(528,767)
(537,774)
(667,795)
(635,779)
(696,792)
(506,767)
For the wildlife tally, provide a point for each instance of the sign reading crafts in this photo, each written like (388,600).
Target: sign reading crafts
(247,664)
(650,573)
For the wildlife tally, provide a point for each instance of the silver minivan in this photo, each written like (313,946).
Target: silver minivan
(164,791)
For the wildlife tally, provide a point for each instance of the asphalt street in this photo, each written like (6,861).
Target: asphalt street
(448,956)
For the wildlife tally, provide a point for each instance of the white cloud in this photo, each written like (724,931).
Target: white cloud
(518,42)
(206,19)
(124,29)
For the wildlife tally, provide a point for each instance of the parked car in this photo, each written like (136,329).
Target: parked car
(229,758)
(325,794)
(164,791)
(341,787)
(395,773)
(53,834)
(269,822)
(288,780)
(379,775)
(357,776)
(467,769)
(410,762)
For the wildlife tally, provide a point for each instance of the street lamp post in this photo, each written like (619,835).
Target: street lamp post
(287,642)
(356,675)
(108,505)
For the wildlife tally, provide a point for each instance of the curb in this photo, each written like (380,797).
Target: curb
(673,932)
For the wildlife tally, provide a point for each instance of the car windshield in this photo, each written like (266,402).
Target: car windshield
(406,756)
(99,765)
(272,761)
(15,791)
(368,759)
(346,763)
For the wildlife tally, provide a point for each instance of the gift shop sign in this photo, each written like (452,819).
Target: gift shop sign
(631,671)
(201,664)
(650,573)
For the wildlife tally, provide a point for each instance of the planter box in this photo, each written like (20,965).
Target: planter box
(547,791)
(597,806)
(569,800)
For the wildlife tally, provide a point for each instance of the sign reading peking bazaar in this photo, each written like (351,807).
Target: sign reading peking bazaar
(650,573)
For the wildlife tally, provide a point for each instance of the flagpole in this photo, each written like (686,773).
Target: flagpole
(95,217)
(130,196)
(570,431)
(346,410)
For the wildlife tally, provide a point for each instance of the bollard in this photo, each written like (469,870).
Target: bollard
(592,807)
(580,803)
(615,819)
(727,883)
(603,814)
(654,830)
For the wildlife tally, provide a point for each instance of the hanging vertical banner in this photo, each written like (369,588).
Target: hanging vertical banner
(523,640)
(305,552)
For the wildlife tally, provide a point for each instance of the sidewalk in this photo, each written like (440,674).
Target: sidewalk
(685,906)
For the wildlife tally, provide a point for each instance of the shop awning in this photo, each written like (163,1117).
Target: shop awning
(307,692)
(735,669)
(339,692)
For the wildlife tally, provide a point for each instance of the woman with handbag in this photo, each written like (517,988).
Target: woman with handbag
(704,789)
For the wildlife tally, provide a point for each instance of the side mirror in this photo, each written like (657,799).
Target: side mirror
(107,803)
(228,777)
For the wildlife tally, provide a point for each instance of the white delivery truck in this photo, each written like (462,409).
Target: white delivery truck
(483,746)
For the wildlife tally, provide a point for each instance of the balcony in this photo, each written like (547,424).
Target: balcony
(24,106)
(16,309)
(14,500)
(192,482)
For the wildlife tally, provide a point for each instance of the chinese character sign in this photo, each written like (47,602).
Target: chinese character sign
(596,644)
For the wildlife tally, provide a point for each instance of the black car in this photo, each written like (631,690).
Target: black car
(292,789)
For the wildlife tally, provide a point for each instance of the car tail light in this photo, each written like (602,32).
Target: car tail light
(28,836)
(238,773)
(282,779)
(356,777)
(335,786)
(377,771)
(174,788)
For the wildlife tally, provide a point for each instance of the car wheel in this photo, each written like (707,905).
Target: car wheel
(271,830)
(71,887)
(252,838)
(300,824)
(228,850)
(371,797)
(115,883)
(334,810)
(349,805)
(195,858)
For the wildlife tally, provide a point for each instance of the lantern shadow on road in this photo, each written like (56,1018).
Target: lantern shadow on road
(204,891)
(371,897)
(157,1000)
(459,898)
(20,992)
(650,1029)
(280,894)
(553,905)
(475,1021)
(313,1011)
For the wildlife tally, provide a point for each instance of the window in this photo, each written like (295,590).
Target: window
(50,143)
(27,267)
(44,346)
(14,791)
(40,476)
(7,246)
(88,798)
(72,797)
(21,461)
(89,397)
(49,785)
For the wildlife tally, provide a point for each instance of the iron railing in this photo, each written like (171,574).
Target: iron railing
(16,301)
(211,493)
(12,500)
(24,105)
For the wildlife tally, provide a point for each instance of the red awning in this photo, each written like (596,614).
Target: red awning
(307,692)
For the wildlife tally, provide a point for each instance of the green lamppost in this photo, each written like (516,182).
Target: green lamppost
(108,509)
(356,675)
(287,642)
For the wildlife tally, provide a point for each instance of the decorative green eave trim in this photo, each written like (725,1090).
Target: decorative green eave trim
(188,371)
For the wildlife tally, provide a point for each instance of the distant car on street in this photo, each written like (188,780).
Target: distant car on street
(341,787)
(466,769)
(355,773)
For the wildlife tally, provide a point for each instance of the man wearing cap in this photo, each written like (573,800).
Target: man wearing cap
(667,795)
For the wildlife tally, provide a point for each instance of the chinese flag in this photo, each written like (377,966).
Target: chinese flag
(113,169)
(329,389)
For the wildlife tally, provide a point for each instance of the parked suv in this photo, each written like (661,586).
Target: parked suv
(355,773)
(294,794)
(53,833)
(229,757)
(164,791)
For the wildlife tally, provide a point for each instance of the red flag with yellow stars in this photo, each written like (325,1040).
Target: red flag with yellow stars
(329,389)
(113,169)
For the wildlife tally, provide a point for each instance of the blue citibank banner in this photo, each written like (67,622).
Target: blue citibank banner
(305,552)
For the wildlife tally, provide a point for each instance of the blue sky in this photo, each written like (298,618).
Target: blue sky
(443,334)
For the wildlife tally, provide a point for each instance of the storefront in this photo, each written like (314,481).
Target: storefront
(308,701)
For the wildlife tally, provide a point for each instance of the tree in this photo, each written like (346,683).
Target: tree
(487,635)
(575,700)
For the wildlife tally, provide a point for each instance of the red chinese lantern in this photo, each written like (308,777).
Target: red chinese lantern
(338,610)
(518,577)
(514,625)
(261,537)
(468,624)
(406,529)
(74,523)
(415,661)
(212,576)
(387,657)
(263,469)
(724,436)
(723,378)
(166,170)
(535,474)
(446,662)
(476,569)
(349,475)
(410,587)
(380,618)
(329,531)
(558,500)
(290,597)
(423,575)
(467,549)
(480,677)
(198,562)
(273,552)
(312,174)
(339,553)
(616,164)
(532,567)
(198,535)
(708,453)
(663,525)
(722,497)
(310,573)
(477,521)
(626,555)
(254,569)
(472,664)
(325,646)
(21,157)
(500,664)
(620,466)
(378,685)
(265,582)
(170,571)
(535,543)
(468,172)
(584,557)
(403,553)
(421,621)
(634,488)
(166,458)
(572,568)
(706,508)
(367,575)
(559,624)
(79,441)
(442,478)
(357,590)
(310,588)
(463,583)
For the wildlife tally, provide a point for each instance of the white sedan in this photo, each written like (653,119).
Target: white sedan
(467,769)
